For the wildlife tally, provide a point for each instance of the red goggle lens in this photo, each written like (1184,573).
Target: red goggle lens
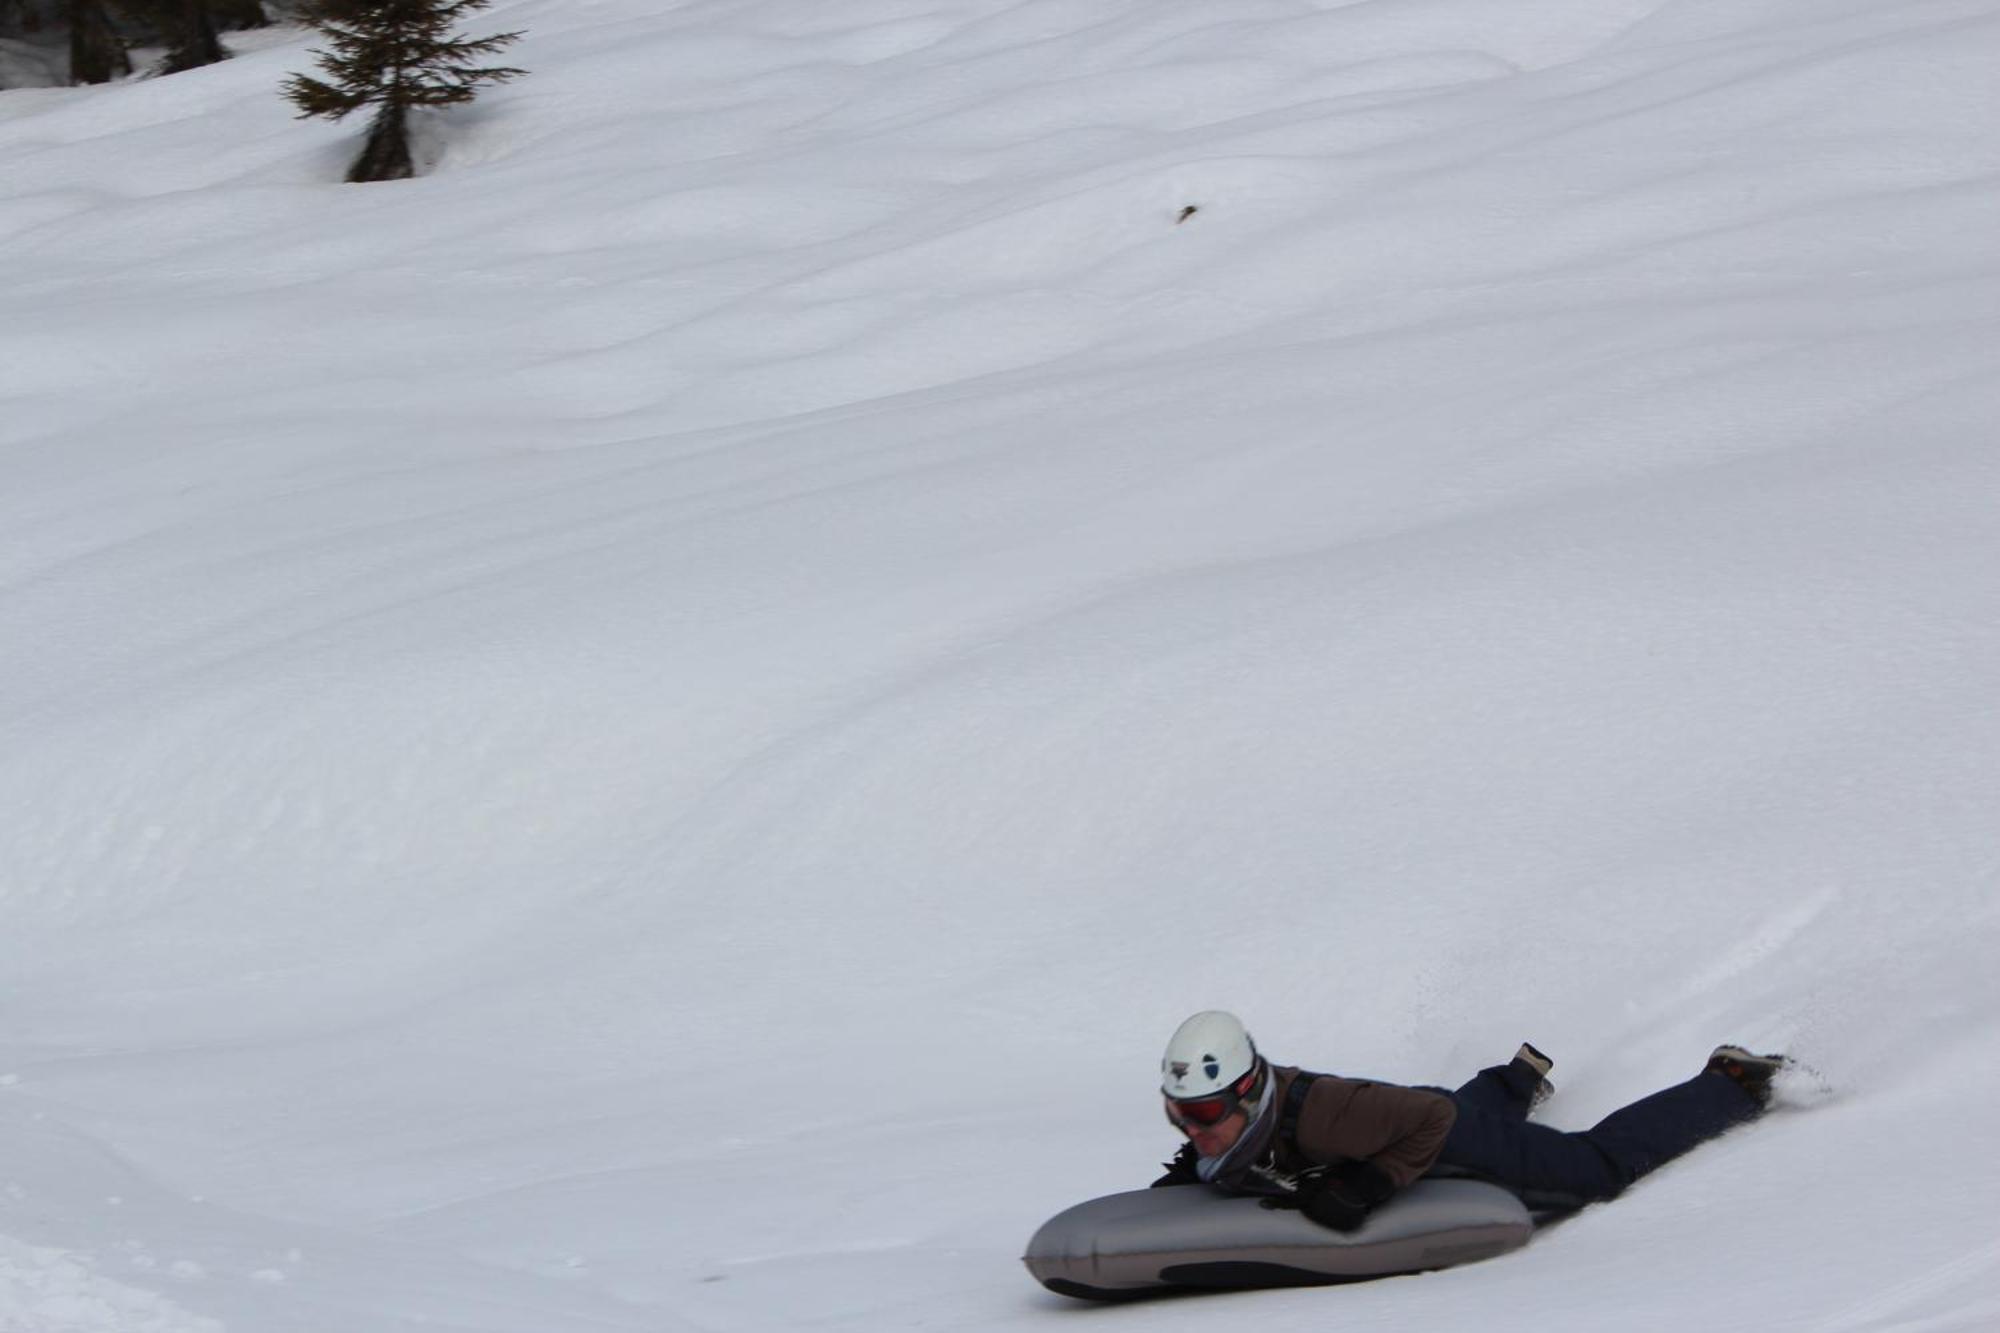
(1201,1111)
(1211,1110)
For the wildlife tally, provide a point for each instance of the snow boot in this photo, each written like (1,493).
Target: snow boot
(1747,1070)
(1541,1065)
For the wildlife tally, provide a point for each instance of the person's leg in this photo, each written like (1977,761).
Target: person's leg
(1599,1162)
(1505,1090)
(1495,1091)
(1507,1149)
(1654,1130)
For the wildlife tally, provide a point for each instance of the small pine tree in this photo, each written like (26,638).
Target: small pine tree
(394,55)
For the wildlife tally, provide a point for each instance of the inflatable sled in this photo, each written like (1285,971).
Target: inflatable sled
(1188,1237)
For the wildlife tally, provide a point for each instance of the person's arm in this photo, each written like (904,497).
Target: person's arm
(1399,1130)
(1371,1139)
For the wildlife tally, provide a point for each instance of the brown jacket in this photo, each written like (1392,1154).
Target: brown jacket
(1399,1129)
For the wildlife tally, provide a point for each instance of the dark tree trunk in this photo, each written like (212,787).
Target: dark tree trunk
(237,15)
(95,53)
(194,40)
(386,157)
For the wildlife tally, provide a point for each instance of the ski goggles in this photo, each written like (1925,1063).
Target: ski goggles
(1201,1112)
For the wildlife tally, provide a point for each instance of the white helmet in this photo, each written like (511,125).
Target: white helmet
(1210,1055)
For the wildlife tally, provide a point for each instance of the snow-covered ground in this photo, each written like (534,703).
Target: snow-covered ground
(652,730)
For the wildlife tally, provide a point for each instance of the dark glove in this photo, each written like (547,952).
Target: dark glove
(1180,1171)
(1342,1196)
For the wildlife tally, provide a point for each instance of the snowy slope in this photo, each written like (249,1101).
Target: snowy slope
(651,730)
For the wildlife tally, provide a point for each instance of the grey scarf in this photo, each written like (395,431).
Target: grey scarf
(1240,1170)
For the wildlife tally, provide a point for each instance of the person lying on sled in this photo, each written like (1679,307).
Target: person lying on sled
(1336,1148)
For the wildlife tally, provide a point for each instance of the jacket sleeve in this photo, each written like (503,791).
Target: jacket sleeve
(1401,1130)
(1180,1169)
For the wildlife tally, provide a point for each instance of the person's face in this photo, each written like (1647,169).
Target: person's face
(1218,1138)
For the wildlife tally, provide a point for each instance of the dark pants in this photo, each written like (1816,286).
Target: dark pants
(1493,1139)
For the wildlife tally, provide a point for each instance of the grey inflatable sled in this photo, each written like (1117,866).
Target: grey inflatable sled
(1189,1237)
